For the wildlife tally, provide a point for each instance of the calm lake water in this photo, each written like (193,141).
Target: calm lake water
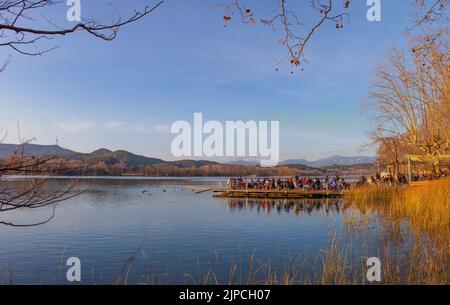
(158,230)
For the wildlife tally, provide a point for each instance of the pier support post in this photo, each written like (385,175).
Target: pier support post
(409,170)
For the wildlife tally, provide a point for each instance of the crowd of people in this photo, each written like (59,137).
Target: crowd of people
(428,176)
(293,183)
(383,177)
(320,184)
(386,177)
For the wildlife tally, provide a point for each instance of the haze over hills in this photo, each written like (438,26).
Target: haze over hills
(100,155)
(330,161)
(130,159)
(333,160)
(7,150)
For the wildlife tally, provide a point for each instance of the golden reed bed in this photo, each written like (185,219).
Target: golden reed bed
(425,205)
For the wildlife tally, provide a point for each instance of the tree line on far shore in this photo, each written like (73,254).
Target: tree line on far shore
(48,165)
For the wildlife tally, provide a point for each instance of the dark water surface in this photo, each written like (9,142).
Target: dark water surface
(158,230)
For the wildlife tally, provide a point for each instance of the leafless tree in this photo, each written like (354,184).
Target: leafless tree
(31,193)
(296,35)
(24,27)
(410,95)
(429,11)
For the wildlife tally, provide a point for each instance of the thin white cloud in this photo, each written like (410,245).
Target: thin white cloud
(144,128)
(135,127)
(115,125)
(75,126)
(162,128)
(307,134)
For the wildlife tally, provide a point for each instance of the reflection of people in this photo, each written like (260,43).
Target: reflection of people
(297,205)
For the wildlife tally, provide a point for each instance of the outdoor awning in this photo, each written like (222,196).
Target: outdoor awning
(429,159)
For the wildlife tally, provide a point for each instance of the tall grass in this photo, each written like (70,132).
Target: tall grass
(425,206)
(331,266)
(426,210)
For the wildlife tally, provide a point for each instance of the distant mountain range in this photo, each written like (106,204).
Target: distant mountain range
(7,150)
(330,161)
(333,160)
(112,157)
(99,155)
(133,160)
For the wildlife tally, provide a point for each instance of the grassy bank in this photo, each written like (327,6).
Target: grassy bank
(426,210)
(425,206)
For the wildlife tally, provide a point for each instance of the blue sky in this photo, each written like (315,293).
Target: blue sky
(181,59)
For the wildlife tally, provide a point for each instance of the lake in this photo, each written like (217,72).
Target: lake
(158,230)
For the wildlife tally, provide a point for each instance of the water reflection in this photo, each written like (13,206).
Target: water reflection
(178,231)
(297,206)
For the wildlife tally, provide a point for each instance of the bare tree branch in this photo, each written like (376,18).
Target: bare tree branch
(35,192)
(296,35)
(24,38)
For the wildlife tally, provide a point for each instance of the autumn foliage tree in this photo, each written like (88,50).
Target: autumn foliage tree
(410,95)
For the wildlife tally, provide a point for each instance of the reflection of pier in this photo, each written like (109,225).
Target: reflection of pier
(277,194)
(295,205)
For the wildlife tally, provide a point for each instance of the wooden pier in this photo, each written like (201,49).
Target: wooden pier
(276,194)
